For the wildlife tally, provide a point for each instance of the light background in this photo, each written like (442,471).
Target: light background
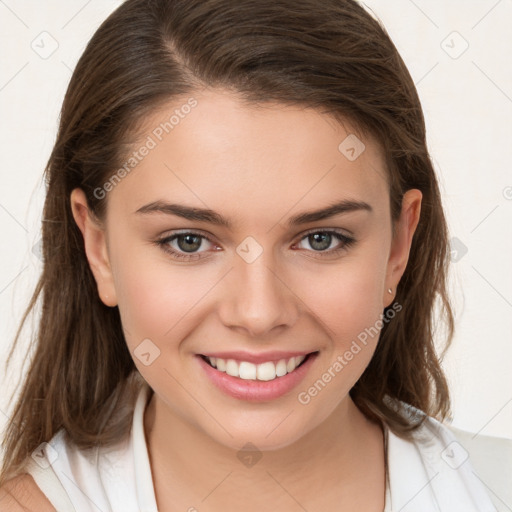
(466,94)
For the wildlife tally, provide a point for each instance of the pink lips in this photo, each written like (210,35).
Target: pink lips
(256,390)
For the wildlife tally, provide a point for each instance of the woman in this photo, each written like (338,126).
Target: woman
(243,241)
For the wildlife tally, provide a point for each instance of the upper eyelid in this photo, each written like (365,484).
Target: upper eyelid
(339,231)
(198,231)
(168,236)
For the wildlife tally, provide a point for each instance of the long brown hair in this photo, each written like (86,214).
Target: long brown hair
(330,55)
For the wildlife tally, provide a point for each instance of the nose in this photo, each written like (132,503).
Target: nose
(258,299)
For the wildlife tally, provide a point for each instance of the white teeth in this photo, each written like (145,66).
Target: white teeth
(281,368)
(266,371)
(232,368)
(249,371)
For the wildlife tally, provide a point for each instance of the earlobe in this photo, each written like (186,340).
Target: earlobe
(401,244)
(95,247)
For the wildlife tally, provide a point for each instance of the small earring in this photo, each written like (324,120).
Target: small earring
(390,290)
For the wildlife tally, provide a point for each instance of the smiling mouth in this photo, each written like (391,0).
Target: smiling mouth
(266,371)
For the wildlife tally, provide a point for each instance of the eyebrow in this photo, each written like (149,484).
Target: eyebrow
(211,216)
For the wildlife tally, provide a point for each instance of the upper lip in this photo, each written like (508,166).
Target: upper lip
(240,355)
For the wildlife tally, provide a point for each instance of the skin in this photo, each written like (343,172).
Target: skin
(257,166)
(21,493)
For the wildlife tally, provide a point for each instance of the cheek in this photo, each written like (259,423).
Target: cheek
(153,295)
(347,298)
(154,302)
(348,305)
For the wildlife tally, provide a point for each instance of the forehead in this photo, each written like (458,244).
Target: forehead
(213,149)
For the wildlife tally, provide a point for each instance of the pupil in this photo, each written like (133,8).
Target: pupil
(193,242)
(324,239)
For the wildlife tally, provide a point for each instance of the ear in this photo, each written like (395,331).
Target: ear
(95,247)
(401,243)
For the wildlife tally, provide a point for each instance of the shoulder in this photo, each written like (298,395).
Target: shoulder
(464,471)
(491,455)
(491,458)
(494,447)
(21,493)
(486,460)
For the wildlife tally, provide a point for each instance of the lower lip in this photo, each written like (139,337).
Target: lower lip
(257,390)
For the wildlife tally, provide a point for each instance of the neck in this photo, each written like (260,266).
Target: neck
(342,456)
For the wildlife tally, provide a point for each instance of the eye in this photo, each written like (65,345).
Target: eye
(184,245)
(321,242)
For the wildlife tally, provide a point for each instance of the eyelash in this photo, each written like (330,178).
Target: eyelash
(163,243)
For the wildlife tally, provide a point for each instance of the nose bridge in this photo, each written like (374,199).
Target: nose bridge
(258,299)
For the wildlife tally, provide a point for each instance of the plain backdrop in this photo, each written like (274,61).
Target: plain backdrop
(458,53)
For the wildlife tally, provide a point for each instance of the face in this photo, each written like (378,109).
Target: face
(210,248)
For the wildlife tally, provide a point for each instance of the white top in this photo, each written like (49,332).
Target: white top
(431,473)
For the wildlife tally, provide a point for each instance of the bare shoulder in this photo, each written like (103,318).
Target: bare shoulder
(21,494)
